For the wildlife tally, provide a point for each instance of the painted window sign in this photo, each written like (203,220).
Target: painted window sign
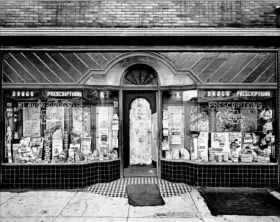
(235,105)
(40,104)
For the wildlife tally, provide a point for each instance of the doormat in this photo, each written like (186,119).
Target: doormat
(144,195)
(240,201)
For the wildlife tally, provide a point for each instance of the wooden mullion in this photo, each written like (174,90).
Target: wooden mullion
(93,127)
(159,111)
(121,151)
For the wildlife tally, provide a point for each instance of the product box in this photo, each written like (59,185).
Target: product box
(16,154)
(236,138)
(57,147)
(72,149)
(220,141)
(75,146)
(202,146)
(248,138)
(194,149)
(86,145)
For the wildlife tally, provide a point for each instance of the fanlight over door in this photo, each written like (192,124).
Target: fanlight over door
(140,75)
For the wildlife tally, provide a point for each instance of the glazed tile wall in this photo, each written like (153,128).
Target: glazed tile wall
(221,175)
(58,176)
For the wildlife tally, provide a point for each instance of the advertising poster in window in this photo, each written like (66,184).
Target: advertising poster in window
(31,122)
(249,119)
(228,120)
(220,142)
(176,125)
(103,127)
(199,119)
(81,121)
(55,118)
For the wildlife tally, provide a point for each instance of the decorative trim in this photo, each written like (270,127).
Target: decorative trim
(134,48)
(139,31)
(124,87)
(238,86)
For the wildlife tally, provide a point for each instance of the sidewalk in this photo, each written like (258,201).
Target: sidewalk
(76,206)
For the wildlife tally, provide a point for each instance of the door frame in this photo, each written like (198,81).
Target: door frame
(121,124)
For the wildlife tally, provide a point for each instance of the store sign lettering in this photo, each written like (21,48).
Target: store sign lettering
(218,93)
(235,105)
(22,93)
(64,94)
(246,93)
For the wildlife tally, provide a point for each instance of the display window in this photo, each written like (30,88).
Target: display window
(219,125)
(60,126)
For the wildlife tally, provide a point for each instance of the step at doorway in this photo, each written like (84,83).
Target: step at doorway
(140,171)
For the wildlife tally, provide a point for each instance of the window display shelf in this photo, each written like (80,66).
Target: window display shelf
(58,164)
(222,163)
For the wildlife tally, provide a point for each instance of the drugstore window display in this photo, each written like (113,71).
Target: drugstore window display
(219,126)
(59,126)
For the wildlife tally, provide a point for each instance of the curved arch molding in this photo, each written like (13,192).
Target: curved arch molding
(107,68)
(167,74)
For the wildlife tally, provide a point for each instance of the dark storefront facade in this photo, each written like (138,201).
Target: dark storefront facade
(76,116)
(90,89)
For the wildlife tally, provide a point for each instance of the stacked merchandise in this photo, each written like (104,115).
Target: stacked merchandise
(47,148)
(103,132)
(202,146)
(48,132)
(199,127)
(220,148)
(173,133)
(115,141)
(241,147)
(28,150)
(235,139)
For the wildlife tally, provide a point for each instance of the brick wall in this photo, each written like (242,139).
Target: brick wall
(138,13)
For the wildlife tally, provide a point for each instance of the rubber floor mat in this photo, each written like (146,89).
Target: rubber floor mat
(144,195)
(240,201)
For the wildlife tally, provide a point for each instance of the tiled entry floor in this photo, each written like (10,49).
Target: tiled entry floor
(140,171)
(117,188)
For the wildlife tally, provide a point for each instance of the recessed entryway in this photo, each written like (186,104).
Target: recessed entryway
(140,133)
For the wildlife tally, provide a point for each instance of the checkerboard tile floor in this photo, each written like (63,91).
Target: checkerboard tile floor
(117,188)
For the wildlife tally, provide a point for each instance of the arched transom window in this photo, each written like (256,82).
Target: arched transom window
(140,75)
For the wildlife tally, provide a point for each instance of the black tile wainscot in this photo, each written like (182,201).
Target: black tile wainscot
(58,176)
(221,174)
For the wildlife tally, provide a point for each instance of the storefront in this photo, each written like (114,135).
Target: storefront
(73,117)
